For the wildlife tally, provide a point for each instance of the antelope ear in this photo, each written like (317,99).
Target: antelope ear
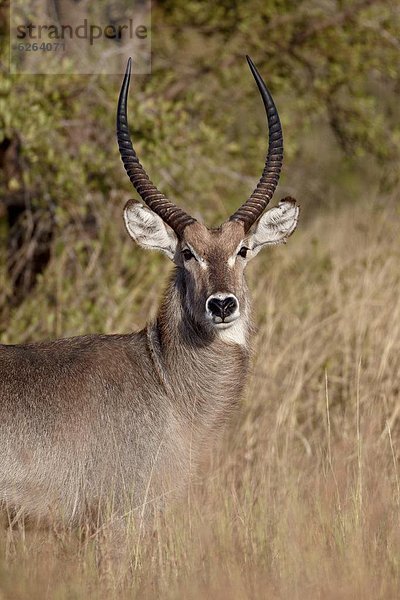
(148,229)
(275,225)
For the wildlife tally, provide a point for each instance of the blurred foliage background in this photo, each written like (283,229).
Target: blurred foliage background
(306,502)
(199,128)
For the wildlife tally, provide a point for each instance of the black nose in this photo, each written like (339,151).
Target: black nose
(222,307)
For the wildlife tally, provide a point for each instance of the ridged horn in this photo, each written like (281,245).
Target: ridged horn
(170,214)
(249,212)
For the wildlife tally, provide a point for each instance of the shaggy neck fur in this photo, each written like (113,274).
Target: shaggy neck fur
(203,372)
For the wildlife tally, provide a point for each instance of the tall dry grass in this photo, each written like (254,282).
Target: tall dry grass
(303,498)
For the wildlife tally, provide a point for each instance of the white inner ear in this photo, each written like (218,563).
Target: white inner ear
(275,226)
(148,229)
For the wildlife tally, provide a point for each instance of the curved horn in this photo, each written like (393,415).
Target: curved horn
(170,214)
(249,212)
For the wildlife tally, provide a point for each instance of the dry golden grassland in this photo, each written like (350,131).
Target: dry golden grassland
(303,498)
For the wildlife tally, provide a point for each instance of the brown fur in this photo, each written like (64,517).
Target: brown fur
(116,422)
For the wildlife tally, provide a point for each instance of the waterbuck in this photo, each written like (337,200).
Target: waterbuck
(121,420)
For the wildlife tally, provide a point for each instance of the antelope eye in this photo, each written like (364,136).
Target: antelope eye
(243,251)
(187,254)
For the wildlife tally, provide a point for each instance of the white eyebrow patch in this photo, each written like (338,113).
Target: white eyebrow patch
(202,261)
(232,259)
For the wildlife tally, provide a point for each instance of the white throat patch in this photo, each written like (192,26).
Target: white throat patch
(234,334)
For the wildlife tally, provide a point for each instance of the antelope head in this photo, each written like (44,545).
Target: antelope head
(211,262)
